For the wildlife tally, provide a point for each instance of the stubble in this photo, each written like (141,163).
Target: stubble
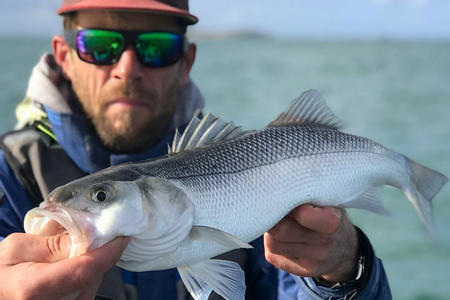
(130,137)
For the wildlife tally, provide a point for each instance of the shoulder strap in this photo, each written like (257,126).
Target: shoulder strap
(38,162)
(28,182)
(2,196)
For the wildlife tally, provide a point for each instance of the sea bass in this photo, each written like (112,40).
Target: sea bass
(221,187)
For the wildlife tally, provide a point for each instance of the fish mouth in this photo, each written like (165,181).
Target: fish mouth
(52,219)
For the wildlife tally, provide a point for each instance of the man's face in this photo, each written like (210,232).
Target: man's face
(130,105)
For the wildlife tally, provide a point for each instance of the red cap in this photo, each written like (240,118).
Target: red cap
(179,8)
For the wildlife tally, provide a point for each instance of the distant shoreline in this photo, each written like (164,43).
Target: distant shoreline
(256,35)
(201,35)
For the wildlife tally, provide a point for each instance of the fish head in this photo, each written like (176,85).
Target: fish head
(170,217)
(93,210)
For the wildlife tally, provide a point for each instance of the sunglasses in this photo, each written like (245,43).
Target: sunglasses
(104,47)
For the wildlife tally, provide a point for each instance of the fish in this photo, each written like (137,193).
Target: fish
(221,187)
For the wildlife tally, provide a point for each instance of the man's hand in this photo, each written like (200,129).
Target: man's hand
(314,242)
(37,267)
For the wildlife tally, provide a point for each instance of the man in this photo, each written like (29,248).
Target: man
(114,90)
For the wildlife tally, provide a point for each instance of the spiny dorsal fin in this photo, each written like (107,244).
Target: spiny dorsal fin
(227,132)
(310,107)
(200,132)
(180,141)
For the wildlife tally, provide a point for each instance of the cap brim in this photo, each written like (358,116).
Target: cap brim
(141,6)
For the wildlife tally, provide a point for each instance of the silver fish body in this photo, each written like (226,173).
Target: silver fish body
(204,200)
(245,186)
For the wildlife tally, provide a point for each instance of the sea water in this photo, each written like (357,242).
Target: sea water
(395,92)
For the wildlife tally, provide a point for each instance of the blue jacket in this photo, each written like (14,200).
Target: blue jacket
(81,144)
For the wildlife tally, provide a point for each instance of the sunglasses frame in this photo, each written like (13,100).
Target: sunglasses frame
(129,36)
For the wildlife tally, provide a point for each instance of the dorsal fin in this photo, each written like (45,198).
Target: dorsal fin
(200,132)
(310,107)
(182,140)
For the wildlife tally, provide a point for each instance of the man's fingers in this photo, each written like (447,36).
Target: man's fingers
(98,260)
(319,219)
(56,248)
(327,248)
(113,250)
(317,249)
(22,247)
(81,273)
(299,266)
(288,230)
(51,228)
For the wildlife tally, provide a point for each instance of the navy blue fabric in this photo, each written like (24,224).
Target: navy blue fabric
(76,137)
(12,213)
(304,288)
(261,277)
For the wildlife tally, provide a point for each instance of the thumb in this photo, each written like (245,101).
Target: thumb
(22,247)
(55,248)
(56,243)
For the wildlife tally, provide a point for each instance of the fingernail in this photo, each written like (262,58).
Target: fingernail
(125,240)
(337,212)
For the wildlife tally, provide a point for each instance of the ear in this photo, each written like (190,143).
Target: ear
(62,54)
(188,62)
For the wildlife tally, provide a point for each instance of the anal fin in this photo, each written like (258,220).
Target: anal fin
(369,200)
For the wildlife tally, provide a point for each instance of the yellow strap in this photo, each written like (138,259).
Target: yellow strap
(47,131)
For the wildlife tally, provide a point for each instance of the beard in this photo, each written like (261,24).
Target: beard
(131,136)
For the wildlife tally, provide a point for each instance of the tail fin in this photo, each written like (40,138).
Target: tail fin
(426,184)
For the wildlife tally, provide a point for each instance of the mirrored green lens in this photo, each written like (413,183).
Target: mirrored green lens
(159,49)
(99,46)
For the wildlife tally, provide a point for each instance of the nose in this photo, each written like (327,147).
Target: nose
(128,66)
(61,195)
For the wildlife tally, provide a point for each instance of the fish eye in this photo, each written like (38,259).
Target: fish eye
(100,195)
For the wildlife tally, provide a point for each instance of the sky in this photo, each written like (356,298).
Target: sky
(405,19)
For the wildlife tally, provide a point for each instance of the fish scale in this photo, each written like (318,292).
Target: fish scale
(257,149)
(288,183)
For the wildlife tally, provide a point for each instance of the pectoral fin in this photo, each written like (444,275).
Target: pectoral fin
(226,278)
(218,237)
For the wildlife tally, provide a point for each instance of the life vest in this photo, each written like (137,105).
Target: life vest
(38,162)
